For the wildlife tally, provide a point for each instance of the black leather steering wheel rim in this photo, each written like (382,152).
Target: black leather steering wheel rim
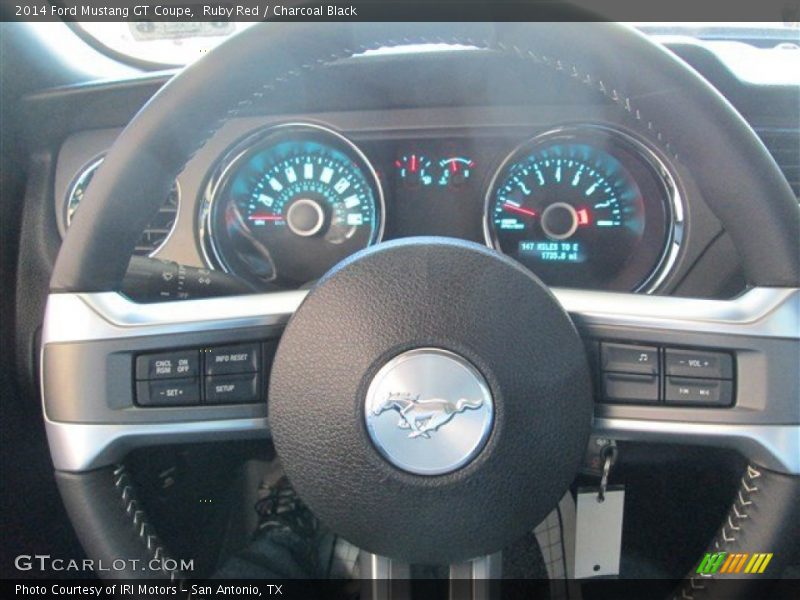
(668,103)
(664,101)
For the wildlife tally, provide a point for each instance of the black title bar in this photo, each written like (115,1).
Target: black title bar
(776,11)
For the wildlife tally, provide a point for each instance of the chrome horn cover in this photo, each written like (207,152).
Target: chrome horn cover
(429,411)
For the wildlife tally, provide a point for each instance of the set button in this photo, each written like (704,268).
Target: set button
(168,392)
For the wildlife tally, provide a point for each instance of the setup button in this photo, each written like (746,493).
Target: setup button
(232,389)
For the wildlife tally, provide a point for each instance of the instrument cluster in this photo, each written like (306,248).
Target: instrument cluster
(584,206)
(581,206)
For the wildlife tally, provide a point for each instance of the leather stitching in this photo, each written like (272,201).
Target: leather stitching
(738,512)
(143,528)
(123,483)
(623,102)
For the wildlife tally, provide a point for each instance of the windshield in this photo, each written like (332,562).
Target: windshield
(161,43)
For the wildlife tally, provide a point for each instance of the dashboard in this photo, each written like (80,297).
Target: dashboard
(487,112)
(465,159)
(580,204)
(275,197)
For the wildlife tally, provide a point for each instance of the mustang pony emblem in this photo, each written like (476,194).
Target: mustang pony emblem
(424,416)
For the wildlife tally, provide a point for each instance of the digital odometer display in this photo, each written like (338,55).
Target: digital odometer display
(553,251)
(580,210)
(294,205)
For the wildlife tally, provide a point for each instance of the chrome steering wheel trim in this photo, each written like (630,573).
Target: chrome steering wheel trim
(762,328)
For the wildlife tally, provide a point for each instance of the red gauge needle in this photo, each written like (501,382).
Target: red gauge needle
(518,209)
(265,218)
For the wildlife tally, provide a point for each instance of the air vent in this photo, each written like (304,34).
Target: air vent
(784,145)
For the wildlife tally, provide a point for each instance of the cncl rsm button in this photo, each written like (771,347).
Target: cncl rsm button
(168,365)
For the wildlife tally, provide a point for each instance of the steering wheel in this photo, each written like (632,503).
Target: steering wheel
(402,311)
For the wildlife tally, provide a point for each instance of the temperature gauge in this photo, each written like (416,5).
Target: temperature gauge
(455,171)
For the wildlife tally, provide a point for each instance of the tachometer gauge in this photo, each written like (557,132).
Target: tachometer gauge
(293,203)
(583,208)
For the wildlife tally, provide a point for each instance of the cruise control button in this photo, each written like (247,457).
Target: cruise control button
(710,392)
(626,358)
(168,365)
(228,389)
(172,392)
(695,363)
(630,388)
(242,358)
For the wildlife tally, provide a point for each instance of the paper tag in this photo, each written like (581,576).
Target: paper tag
(598,532)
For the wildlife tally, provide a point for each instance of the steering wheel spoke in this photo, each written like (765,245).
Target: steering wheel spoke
(91,341)
(756,411)
(90,347)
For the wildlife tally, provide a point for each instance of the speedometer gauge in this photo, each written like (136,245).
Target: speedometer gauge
(584,208)
(290,204)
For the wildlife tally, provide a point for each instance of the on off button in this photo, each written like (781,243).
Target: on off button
(168,365)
